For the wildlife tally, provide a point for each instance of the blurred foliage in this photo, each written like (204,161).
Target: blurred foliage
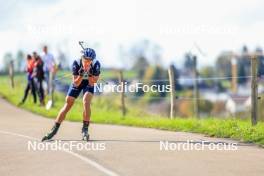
(20,61)
(223,65)
(156,75)
(260,107)
(260,61)
(207,72)
(205,106)
(151,97)
(188,62)
(8,57)
(218,108)
(140,66)
(186,108)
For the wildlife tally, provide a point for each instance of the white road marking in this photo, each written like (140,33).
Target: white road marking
(85,159)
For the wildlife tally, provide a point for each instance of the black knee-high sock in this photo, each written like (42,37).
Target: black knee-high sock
(86,124)
(57,125)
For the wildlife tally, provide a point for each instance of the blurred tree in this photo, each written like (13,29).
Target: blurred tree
(156,75)
(206,106)
(186,108)
(63,62)
(149,74)
(241,71)
(188,62)
(223,65)
(218,108)
(20,61)
(151,97)
(6,61)
(244,68)
(159,74)
(220,87)
(260,62)
(143,54)
(155,56)
(140,66)
(207,72)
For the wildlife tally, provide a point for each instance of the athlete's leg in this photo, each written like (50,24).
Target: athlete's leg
(72,94)
(69,101)
(87,98)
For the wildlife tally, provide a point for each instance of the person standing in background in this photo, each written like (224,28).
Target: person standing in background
(49,68)
(38,74)
(30,81)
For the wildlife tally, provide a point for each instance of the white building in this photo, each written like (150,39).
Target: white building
(236,103)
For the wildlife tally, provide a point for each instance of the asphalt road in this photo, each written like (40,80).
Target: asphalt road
(116,150)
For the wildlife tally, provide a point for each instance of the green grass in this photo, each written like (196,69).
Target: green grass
(106,110)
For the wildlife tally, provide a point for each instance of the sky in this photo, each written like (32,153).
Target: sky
(215,26)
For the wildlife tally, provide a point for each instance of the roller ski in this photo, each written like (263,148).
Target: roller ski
(52,133)
(85,134)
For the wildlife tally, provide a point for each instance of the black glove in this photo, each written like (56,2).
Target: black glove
(81,71)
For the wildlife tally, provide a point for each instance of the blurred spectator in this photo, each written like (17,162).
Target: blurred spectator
(30,83)
(38,74)
(49,68)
